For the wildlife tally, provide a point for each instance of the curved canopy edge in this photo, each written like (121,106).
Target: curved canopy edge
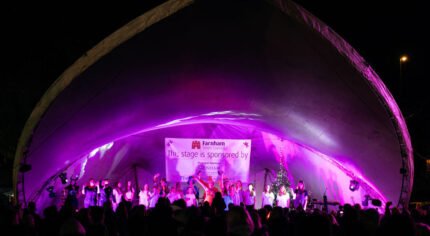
(164,10)
(120,36)
(381,91)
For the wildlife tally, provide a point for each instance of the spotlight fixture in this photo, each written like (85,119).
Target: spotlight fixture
(51,192)
(63,177)
(354,185)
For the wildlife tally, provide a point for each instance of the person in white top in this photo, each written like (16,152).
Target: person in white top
(144,196)
(179,191)
(129,192)
(190,197)
(173,195)
(117,195)
(268,196)
(283,198)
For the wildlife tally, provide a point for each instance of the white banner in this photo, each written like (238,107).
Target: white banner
(187,157)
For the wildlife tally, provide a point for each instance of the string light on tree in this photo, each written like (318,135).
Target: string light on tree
(281,178)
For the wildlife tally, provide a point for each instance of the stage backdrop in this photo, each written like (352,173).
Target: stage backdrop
(186,157)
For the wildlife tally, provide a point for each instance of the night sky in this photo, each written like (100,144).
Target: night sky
(41,41)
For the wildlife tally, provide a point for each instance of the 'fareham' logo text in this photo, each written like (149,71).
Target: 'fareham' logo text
(213,143)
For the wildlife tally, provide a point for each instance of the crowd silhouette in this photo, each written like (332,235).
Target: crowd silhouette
(173,211)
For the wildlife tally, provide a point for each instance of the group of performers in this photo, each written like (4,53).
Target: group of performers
(283,199)
(97,194)
(234,193)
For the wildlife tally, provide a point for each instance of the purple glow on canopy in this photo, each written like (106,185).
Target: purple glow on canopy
(93,152)
(217,115)
(101,149)
(338,119)
(352,173)
(286,151)
(317,132)
(302,15)
(322,169)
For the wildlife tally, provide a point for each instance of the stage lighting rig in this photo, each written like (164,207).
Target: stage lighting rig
(63,177)
(51,192)
(354,185)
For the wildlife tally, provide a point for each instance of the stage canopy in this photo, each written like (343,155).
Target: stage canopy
(264,71)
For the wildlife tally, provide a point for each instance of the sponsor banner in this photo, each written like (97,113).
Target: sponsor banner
(187,157)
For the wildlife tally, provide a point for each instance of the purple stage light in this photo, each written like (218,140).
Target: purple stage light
(313,104)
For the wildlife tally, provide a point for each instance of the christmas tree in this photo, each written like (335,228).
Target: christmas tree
(281,179)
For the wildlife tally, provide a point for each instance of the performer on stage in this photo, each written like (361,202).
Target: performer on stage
(90,191)
(162,185)
(116,195)
(234,194)
(249,196)
(191,184)
(154,196)
(239,191)
(300,196)
(129,192)
(72,191)
(179,191)
(144,196)
(190,197)
(268,196)
(283,198)
(173,195)
(209,188)
(105,193)
(228,196)
(226,189)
